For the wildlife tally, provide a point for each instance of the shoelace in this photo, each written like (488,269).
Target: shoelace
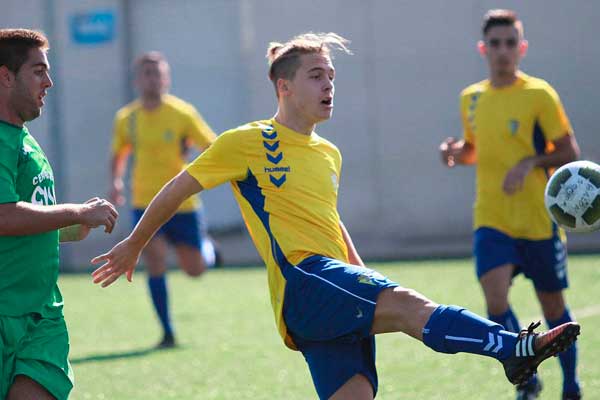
(529,331)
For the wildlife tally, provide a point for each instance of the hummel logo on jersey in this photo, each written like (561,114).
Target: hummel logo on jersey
(270,136)
(271,146)
(274,158)
(513,124)
(276,169)
(278,181)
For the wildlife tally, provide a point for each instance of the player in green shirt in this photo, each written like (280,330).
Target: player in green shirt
(34,343)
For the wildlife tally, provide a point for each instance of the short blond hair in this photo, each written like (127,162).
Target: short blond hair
(284,58)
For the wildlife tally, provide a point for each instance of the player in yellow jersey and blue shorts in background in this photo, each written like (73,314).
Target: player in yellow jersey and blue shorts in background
(327,304)
(159,130)
(516,131)
(34,341)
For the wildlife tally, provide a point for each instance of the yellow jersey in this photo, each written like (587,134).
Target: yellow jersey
(506,125)
(286,185)
(159,140)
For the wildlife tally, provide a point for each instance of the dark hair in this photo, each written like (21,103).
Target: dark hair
(501,17)
(15,45)
(151,57)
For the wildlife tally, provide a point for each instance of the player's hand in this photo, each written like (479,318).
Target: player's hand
(450,149)
(515,178)
(120,260)
(116,192)
(96,212)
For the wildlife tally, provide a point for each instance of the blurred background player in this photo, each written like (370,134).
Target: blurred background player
(516,130)
(34,342)
(326,303)
(160,129)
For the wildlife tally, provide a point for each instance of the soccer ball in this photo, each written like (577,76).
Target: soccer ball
(572,196)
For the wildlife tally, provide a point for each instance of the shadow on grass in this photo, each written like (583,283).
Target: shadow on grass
(116,356)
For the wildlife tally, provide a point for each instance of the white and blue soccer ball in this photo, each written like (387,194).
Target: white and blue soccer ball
(572,196)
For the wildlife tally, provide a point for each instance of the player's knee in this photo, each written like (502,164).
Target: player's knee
(195,270)
(409,297)
(402,310)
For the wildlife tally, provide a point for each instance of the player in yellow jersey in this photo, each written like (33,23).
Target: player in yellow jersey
(327,304)
(159,129)
(34,342)
(515,131)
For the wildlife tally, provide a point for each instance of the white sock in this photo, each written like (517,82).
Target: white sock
(208,253)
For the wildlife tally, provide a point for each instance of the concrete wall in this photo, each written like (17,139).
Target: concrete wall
(396,98)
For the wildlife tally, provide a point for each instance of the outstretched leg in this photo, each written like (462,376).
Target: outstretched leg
(452,329)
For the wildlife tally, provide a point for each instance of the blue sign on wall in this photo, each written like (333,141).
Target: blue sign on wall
(94,27)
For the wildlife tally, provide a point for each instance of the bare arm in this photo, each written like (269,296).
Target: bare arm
(74,221)
(353,256)
(566,150)
(22,218)
(124,256)
(118,167)
(455,152)
(163,206)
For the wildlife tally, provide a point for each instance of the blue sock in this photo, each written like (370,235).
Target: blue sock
(453,329)
(510,323)
(568,358)
(160,298)
(508,320)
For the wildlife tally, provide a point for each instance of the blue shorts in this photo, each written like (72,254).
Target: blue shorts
(329,308)
(182,228)
(542,261)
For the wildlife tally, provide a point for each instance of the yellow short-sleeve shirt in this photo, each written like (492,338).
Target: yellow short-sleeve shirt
(159,140)
(286,185)
(506,125)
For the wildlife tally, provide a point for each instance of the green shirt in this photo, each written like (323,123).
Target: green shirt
(28,263)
